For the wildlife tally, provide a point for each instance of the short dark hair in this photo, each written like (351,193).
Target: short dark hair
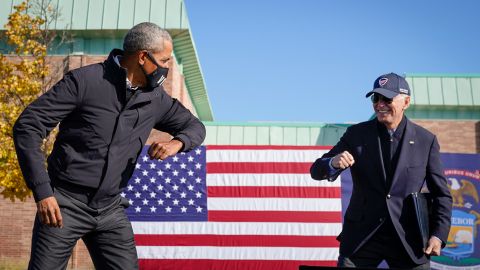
(145,36)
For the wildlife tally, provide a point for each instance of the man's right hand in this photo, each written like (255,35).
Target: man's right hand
(343,160)
(49,212)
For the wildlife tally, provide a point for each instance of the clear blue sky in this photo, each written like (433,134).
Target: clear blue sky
(314,60)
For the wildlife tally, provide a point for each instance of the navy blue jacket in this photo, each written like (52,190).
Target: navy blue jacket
(372,201)
(100,135)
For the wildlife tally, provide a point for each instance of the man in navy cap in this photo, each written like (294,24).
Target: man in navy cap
(390,158)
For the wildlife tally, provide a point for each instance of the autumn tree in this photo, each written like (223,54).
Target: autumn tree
(24,75)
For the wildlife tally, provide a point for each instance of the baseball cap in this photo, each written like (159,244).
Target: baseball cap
(389,85)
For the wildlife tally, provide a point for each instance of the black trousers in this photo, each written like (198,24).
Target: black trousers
(107,233)
(383,245)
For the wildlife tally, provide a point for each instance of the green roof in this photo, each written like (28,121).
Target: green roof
(271,133)
(444,96)
(98,26)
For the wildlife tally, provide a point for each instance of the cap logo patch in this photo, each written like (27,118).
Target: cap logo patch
(382,81)
(405,91)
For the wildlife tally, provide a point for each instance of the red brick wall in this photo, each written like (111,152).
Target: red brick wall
(16,223)
(16,219)
(455,136)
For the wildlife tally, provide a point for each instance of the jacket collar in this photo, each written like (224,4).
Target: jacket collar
(118,76)
(113,72)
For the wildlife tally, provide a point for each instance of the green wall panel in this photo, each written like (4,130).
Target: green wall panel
(126,13)
(276,136)
(449,96)
(236,135)
(78,46)
(79,14)
(5,11)
(420,91)
(464,91)
(263,136)
(110,14)
(142,11)
(211,137)
(289,136)
(314,135)
(157,12)
(250,135)
(173,14)
(272,134)
(65,10)
(435,91)
(223,135)
(450,91)
(303,136)
(95,14)
(476,91)
(113,43)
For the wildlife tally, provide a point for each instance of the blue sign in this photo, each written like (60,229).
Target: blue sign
(461,240)
(462,250)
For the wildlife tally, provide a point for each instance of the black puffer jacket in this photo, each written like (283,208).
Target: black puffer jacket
(100,136)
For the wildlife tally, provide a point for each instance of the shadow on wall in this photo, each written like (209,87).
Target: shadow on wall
(331,134)
(477,136)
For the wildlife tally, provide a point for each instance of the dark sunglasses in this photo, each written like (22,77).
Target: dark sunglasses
(377,97)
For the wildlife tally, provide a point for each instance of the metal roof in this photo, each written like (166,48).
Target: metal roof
(444,96)
(99,25)
(111,14)
(248,133)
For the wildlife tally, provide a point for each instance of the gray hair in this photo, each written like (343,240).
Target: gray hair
(145,36)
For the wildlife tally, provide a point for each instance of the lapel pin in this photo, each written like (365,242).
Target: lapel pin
(411,142)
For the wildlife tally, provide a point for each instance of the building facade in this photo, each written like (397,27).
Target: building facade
(448,105)
(96,27)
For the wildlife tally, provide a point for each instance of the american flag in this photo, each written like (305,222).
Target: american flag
(234,207)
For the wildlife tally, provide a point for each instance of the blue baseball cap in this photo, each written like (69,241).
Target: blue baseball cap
(390,85)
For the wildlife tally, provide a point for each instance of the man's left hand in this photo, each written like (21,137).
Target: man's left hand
(161,151)
(434,246)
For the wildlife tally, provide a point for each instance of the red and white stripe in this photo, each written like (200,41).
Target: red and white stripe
(265,212)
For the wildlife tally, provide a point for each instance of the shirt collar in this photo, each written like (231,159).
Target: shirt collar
(117,59)
(398,132)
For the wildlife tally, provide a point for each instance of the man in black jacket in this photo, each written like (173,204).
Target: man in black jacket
(390,158)
(106,112)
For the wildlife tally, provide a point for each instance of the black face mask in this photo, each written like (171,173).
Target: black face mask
(158,76)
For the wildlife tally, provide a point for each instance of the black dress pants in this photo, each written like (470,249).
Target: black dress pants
(107,233)
(383,245)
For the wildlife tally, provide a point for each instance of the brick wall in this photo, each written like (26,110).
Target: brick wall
(16,223)
(16,218)
(455,136)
